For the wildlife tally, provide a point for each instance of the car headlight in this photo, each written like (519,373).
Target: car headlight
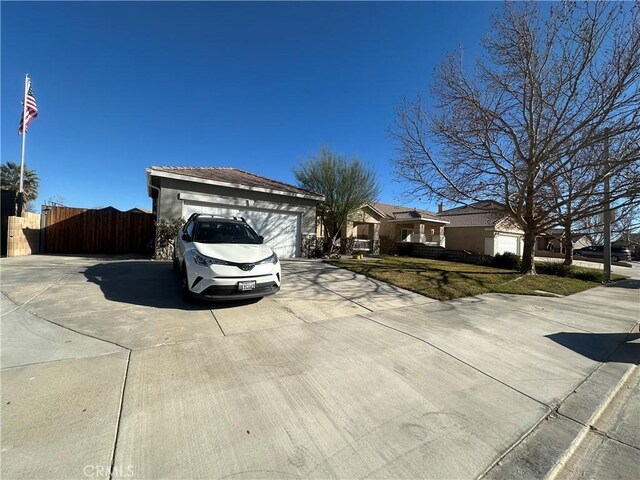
(206,261)
(272,259)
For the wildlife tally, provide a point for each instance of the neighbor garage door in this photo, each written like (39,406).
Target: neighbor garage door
(507,243)
(280,230)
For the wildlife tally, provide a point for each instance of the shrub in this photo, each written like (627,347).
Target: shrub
(554,268)
(507,260)
(561,270)
(588,275)
(486,261)
(166,230)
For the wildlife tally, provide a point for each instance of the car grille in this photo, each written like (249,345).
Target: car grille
(232,290)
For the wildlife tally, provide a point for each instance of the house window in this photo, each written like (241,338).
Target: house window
(405,232)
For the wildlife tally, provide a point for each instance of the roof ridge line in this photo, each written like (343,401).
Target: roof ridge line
(274,180)
(192,168)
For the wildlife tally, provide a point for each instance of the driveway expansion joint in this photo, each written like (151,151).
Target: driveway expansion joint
(218,323)
(553,410)
(336,293)
(84,334)
(120,408)
(18,307)
(457,359)
(58,360)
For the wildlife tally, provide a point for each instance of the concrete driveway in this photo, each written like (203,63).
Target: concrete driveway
(106,371)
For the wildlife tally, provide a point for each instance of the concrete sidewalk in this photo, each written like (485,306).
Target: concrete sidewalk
(105,370)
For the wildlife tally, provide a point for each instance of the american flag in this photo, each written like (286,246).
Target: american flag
(31,111)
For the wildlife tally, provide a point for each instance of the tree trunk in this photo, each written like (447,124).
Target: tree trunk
(530,231)
(528,253)
(333,244)
(568,245)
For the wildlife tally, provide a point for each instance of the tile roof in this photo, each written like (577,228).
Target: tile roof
(479,214)
(400,212)
(236,177)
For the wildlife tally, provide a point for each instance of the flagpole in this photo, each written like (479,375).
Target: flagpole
(24,129)
(24,138)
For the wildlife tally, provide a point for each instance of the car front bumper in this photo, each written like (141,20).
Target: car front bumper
(221,282)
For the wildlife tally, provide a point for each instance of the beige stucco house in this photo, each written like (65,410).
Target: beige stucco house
(482,228)
(376,227)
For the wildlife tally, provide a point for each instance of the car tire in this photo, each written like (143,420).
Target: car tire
(184,285)
(614,258)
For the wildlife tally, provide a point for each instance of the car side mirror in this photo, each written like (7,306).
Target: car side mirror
(261,238)
(186,237)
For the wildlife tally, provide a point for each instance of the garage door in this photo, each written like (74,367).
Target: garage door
(507,243)
(280,230)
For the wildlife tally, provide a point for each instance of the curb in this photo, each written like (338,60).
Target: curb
(552,475)
(546,448)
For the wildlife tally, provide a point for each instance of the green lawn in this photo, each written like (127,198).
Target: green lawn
(446,280)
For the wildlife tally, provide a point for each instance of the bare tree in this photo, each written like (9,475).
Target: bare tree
(544,92)
(347,185)
(626,221)
(578,193)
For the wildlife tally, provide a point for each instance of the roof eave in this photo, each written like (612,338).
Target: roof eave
(191,178)
(378,212)
(420,219)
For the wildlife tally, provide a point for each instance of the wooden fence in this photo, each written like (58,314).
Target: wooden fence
(107,230)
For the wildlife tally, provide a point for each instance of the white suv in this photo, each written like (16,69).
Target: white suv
(224,259)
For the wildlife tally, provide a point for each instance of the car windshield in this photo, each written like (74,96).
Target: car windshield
(225,232)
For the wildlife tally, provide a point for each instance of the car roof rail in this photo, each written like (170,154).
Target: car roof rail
(217,217)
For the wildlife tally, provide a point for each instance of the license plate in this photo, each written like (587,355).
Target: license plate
(246,286)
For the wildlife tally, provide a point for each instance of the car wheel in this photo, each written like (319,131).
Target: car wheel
(184,285)
(614,258)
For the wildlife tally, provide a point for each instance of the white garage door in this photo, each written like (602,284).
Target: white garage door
(280,230)
(507,243)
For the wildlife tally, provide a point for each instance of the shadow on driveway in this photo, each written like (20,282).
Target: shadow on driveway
(601,347)
(150,284)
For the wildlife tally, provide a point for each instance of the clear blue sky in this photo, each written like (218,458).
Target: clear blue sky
(122,86)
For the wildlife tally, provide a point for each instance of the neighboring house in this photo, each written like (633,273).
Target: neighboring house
(377,226)
(408,224)
(553,241)
(283,214)
(482,228)
(363,227)
(138,210)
